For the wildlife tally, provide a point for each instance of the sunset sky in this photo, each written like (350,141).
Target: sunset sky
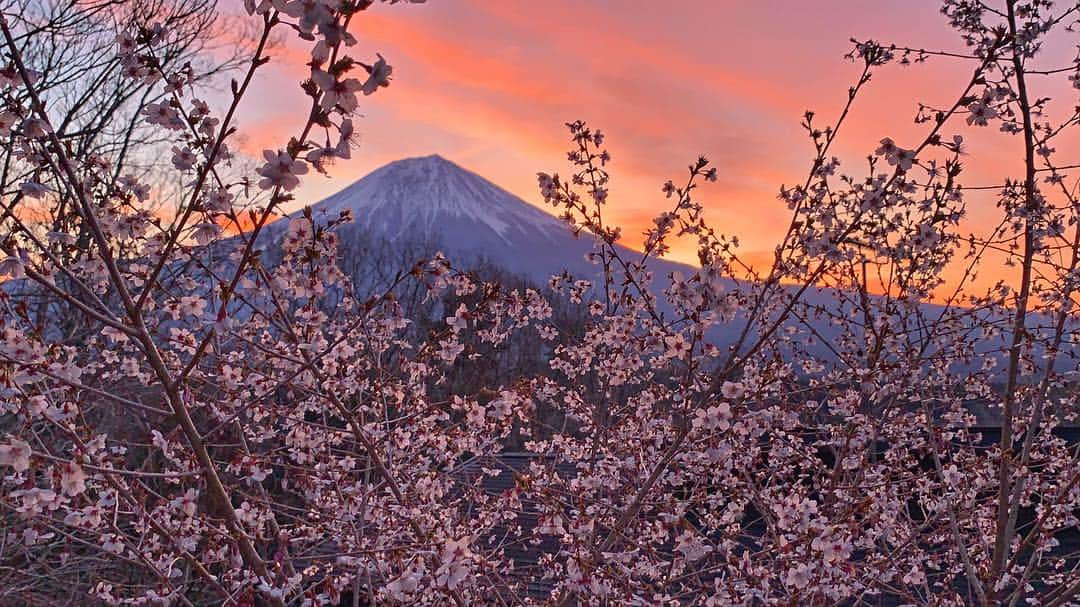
(489,84)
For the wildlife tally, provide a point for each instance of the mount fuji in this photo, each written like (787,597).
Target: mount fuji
(470,219)
(434,201)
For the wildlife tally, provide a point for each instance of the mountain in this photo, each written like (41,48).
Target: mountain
(431,199)
(470,219)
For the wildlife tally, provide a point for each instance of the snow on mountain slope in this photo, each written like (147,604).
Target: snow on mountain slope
(422,193)
(431,199)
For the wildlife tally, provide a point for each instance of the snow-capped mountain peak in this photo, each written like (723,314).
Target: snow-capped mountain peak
(431,195)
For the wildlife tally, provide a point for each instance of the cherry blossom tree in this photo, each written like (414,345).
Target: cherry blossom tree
(70,48)
(240,425)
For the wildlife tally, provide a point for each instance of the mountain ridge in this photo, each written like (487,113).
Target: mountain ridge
(433,199)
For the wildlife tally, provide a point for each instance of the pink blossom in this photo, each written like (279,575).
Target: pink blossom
(455,563)
(281,170)
(15,454)
(979,113)
(183,158)
(337,93)
(378,76)
(72,479)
